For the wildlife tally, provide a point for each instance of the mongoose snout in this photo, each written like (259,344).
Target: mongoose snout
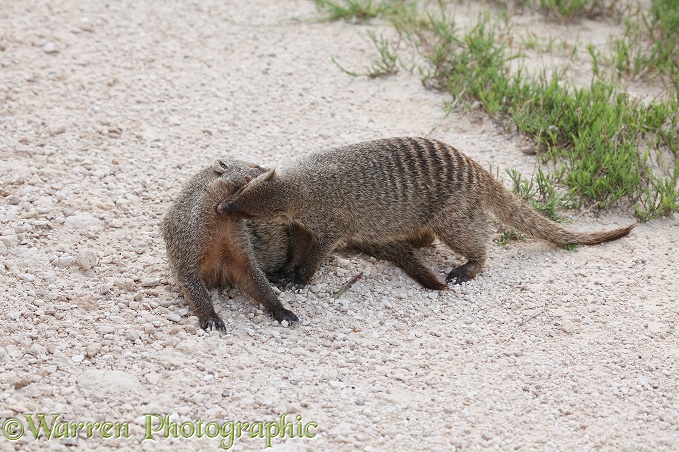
(230,209)
(224,208)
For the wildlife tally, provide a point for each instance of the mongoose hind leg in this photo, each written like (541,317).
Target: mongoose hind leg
(256,286)
(301,240)
(466,236)
(403,255)
(320,249)
(253,282)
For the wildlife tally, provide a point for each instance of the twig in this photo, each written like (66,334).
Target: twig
(348,284)
(523,322)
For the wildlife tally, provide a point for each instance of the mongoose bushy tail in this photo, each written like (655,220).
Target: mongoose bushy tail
(385,194)
(510,210)
(207,250)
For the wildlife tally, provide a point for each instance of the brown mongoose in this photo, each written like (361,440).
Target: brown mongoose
(207,250)
(377,193)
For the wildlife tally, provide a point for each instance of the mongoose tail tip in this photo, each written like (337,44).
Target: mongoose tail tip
(566,237)
(606,236)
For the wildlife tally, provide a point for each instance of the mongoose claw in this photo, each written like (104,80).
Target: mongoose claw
(458,280)
(213,322)
(285,282)
(281,314)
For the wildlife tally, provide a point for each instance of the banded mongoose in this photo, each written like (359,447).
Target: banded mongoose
(377,193)
(207,250)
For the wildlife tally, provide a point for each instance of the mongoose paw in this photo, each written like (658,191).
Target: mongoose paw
(281,314)
(211,322)
(457,279)
(465,272)
(291,285)
(458,276)
(290,281)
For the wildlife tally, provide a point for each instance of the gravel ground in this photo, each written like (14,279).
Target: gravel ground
(108,107)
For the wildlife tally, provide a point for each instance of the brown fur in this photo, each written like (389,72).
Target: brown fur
(387,195)
(208,250)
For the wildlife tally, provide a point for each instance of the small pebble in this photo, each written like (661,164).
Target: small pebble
(50,47)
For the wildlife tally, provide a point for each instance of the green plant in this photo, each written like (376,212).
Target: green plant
(509,234)
(386,63)
(539,190)
(354,10)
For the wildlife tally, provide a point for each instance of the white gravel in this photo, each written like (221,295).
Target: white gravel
(108,107)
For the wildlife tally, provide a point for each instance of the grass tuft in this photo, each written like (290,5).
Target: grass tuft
(356,11)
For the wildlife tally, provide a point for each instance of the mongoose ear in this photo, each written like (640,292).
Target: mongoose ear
(271,174)
(257,167)
(250,182)
(220,166)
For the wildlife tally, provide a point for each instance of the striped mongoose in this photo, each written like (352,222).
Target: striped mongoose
(207,250)
(378,193)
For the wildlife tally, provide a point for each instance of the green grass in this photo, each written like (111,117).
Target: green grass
(659,27)
(569,10)
(508,235)
(566,9)
(386,64)
(603,146)
(540,191)
(356,10)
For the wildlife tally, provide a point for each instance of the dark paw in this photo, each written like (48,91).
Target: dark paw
(281,314)
(275,277)
(459,279)
(290,282)
(457,276)
(464,273)
(211,322)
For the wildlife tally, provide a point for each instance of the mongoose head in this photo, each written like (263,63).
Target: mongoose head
(264,197)
(228,176)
